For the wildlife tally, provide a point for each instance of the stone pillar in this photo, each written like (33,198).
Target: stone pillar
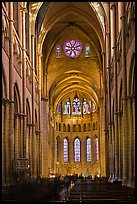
(133,143)
(23,10)
(17,135)
(39,110)
(33,104)
(124,98)
(71,153)
(4,144)
(83,151)
(120,145)
(44,136)
(27,141)
(11,96)
(116,137)
(130,122)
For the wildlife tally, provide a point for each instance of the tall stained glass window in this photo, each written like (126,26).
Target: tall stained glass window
(58,51)
(67,107)
(86,107)
(59,107)
(65,150)
(72,48)
(93,107)
(77,149)
(76,107)
(87,51)
(88,144)
(57,149)
(96,149)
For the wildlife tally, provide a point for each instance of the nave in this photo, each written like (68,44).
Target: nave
(80,190)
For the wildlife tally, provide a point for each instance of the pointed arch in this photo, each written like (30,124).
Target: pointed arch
(28,113)
(17,105)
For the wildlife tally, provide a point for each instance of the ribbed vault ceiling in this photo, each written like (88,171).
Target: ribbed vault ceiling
(55,23)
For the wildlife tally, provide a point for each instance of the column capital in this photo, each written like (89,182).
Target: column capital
(30,124)
(24,9)
(44,98)
(113,5)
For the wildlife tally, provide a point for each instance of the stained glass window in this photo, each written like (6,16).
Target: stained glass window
(67,107)
(77,150)
(58,51)
(87,51)
(88,150)
(96,149)
(93,107)
(76,107)
(59,107)
(86,107)
(72,48)
(65,150)
(57,149)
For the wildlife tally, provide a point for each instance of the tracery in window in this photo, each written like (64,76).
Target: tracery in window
(87,51)
(88,145)
(65,150)
(72,48)
(86,107)
(67,107)
(58,51)
(76,107)
(77,149)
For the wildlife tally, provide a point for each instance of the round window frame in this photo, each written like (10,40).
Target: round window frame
(80,52)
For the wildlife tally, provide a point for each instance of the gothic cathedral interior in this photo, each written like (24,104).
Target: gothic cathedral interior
(68,90)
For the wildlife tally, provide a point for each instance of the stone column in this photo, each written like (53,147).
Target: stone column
(4,144)
(124,98)
(130,122)
(133,143)
(120,145)
(71,159)
(11,96)
(39,108)
(23,10)
(17,135)
(27,141)
(33,103)
(108,75)
(116,137)
(44,136)
(83,151)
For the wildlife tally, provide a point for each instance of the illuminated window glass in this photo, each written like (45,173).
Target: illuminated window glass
(88,150)
(58,51)
(86,107)
(67,107)
(59,107)
(96,149)
(65,150)
(77,150)
(76,107)
(57,149)
(87,51)
(72,48)
(93,107)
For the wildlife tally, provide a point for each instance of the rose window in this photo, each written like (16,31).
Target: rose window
(72,48)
